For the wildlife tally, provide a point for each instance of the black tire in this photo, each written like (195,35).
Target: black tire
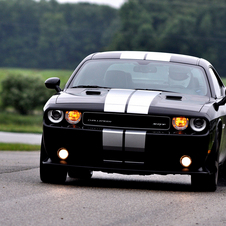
(204,182)
(209,182)
(80,174)
(50,173)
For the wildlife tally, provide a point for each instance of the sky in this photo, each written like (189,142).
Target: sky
(113,3)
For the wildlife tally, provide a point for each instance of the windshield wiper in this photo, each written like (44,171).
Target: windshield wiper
(89,86)
(160,90)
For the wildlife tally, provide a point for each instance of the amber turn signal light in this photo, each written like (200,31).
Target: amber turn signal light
(180,123)
(73,117)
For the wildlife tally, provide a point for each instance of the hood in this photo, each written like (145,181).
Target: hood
(133,101)
(181,101)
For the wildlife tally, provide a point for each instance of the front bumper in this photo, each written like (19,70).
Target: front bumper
(160,154)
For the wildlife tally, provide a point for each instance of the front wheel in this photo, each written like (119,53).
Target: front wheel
(209,182)
(205,182)
(50,173)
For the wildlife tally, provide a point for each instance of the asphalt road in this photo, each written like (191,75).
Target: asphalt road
(25,138)
(109,200)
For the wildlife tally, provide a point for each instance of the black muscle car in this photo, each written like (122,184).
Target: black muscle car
(136,113)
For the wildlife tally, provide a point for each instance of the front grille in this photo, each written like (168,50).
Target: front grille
(147,122)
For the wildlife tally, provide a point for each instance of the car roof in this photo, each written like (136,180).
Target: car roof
(145,55)
(139,55)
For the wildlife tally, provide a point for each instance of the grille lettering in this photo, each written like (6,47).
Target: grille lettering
(147,122)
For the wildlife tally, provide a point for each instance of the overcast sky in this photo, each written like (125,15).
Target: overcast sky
(113,3)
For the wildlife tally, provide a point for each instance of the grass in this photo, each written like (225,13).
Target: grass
(18,147)
(13,122)
(62,74)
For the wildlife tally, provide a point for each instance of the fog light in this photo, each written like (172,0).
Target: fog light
(63,153)
(185,161)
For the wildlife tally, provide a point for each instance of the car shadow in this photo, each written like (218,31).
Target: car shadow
(131,184)
(128,183)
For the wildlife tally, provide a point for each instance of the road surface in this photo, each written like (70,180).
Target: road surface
(25,138)
(105,200)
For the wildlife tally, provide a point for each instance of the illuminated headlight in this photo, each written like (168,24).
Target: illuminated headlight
(198,124)
(73,117)
(55,116)
(180,123)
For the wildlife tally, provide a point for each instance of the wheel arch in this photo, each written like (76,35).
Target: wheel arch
(217,135)
(219,128)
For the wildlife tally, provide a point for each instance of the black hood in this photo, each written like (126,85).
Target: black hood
(136,100)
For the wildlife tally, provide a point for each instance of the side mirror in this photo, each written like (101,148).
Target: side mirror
(220,103)
(53,83)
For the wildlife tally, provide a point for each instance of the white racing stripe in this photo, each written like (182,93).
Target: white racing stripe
(112,139)
(133,55)
(140,101)
(158,56)
(146,56)
(115,140)
(135,140)
(116,100)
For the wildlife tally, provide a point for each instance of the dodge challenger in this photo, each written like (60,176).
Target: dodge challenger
(136,113)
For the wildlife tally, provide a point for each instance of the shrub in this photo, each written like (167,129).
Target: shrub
(24,93)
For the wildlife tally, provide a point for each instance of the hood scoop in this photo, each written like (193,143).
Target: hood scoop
(93,92)
(178,98)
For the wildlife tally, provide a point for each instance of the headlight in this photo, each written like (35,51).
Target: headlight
(180,123)
(55,116)
(198,124)
(73,117)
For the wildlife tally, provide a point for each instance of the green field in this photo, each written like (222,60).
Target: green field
(11,121)
(19,147)
(224,81)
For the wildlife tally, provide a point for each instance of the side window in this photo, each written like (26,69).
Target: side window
(216,84)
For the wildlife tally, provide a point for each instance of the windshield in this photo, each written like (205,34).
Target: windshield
(142,74)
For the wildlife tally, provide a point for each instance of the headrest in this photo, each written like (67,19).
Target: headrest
(179,73)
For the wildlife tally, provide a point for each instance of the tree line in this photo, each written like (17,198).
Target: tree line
(46,34)
(195,27)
